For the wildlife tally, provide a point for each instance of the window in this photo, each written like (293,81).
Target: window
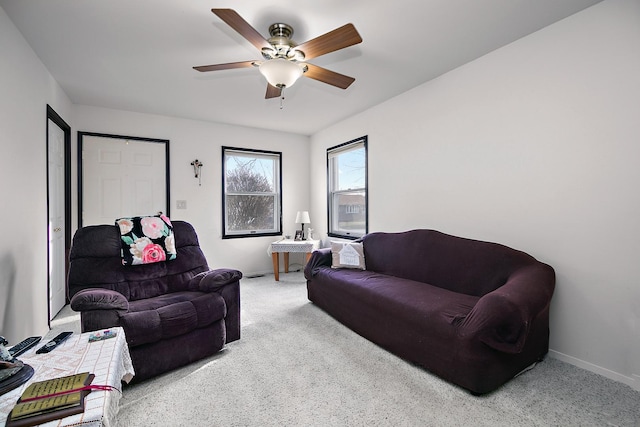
(347,189)
(251,200)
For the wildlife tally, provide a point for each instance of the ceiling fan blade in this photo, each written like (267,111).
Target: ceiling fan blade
(273,92)
(337,39)
(235,21)
(227,66)
(328,76)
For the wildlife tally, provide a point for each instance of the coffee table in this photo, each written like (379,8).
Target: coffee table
(109,360)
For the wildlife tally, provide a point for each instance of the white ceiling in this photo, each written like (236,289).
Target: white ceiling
(137,55)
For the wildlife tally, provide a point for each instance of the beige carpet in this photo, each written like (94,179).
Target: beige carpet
(297,366)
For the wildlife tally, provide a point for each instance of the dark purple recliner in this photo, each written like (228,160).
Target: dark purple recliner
(173,312)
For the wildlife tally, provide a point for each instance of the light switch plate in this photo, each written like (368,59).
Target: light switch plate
(181,204)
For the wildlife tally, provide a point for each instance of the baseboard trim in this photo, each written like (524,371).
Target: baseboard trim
(633,381)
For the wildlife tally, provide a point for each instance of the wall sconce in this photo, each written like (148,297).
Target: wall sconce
(197,165)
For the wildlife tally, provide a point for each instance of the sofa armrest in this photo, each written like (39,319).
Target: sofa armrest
(213,280)
(319,258)
(501,319)
(98,299)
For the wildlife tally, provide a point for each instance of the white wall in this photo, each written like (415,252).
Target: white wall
(26,88)
(535,146)
(190,140)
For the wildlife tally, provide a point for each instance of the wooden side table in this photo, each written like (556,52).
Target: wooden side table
(287,246)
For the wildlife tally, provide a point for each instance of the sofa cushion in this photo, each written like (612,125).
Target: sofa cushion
(347,255)
(170,315)
(146,239)
(415,302)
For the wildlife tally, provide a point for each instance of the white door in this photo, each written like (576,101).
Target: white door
(122,177)
(57,297)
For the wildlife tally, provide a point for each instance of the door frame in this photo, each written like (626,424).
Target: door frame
(59,121)
(82,134)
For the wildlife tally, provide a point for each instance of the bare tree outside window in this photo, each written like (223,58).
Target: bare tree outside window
(248,212)
(252,197)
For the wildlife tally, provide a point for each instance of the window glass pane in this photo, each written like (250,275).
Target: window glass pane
(249,174)
(350,169)
(250,213)
(350,213)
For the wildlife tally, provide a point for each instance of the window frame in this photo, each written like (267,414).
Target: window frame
(334,152)
(277,231)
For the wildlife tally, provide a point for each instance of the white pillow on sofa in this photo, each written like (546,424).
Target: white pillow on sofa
(347,255)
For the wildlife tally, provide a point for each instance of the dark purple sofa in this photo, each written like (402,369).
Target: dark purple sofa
(474,313)
(173,312)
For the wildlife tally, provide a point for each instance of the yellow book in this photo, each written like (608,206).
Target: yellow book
(51,399)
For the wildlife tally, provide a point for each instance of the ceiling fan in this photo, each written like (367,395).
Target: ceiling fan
(284,61)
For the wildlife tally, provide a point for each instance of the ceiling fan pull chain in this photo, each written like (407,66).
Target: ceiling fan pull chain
(282,98)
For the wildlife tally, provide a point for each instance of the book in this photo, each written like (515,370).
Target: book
(49,400)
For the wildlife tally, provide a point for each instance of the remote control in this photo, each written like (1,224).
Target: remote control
(23,346)
(54,342)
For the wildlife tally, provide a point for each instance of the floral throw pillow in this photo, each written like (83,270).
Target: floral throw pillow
(146,239)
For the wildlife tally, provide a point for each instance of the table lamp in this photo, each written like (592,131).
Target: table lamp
(302,217)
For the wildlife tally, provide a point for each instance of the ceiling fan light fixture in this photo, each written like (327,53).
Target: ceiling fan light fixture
(281,72)
(284,60)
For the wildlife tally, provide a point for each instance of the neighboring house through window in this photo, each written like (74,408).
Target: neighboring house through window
(251,188)
(347,189)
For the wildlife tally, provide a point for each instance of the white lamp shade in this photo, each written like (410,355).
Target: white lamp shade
(303,217)
(280,72)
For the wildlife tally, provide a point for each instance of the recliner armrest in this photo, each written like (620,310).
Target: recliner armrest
(212,280)
(99,299)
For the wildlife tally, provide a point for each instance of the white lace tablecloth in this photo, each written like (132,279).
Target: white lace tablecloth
(289,245)
(109,360)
